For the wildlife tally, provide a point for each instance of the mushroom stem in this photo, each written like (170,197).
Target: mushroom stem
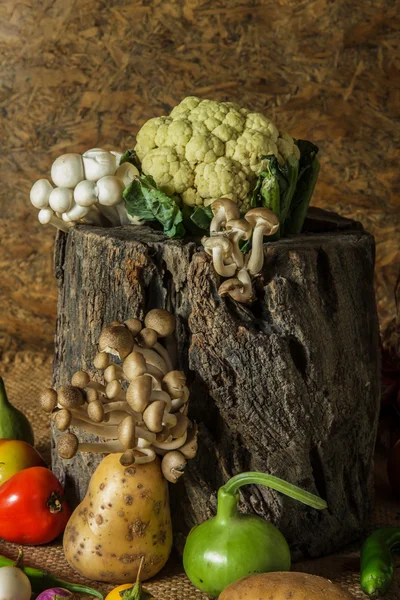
(102,447)
(148,455)
(256,259)
(174,445)
(46,216)
(153,358)
(164,355)
(96,428)
(219,265)
(114,373)
(111,214)
(148,436)
(120,405)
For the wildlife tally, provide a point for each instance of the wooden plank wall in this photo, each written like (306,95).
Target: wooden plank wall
(75,74)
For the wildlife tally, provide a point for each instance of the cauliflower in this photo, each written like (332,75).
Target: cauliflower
(205,149)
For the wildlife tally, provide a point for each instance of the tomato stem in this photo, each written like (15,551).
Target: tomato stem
(235,483)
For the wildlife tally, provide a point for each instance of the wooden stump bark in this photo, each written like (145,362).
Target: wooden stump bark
(288,385)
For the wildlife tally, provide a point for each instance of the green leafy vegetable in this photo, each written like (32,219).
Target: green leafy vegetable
(309,167)
(287,189)
(130,156)
(144,200)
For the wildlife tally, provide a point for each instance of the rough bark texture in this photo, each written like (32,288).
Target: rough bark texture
(288,385)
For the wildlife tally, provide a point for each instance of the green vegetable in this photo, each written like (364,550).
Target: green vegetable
(131,157)
(308,174)
(144,200)
(13,423)
(377,562)
(232,545)
(40,580)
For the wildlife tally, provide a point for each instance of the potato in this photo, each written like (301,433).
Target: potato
(125,515)
(282,586)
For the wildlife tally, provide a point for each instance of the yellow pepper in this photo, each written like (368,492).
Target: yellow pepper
(130,591)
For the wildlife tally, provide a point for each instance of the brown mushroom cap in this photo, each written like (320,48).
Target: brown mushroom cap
(127,458)
(229,207)
(182,424)
(127,432)
(173,465)
(116,340)
(91,395)
(161,321)
(189,448)
(265,217)
(139,392)
(67,445)
(70,396)
(80,379)
(101,360)
(134,326)
(174,383)
(239,290)
(242,228)
(95,411)
(113,389)
(48,399)
(134,365)
(218,241)
(153,416)
(62,419)
(147,337)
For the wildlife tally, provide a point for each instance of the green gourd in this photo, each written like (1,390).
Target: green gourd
(13,423)
(232,545)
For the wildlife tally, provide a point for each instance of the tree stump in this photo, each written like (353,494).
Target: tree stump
(288,385)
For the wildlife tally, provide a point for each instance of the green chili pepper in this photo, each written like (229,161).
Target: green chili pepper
(232,545)
(40,580)
(377,562)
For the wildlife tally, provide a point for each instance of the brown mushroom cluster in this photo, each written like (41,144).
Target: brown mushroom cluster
(141,408)
(227,229)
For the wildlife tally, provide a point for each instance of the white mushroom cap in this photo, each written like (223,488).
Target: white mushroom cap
(46,216)
(67,170)
(98,163)
(109,190)
(40,193)
(85,193)
(61,199)
(127,173)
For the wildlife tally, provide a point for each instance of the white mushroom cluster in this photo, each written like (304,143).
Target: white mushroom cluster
(227,229)
(86,188)
(141,408)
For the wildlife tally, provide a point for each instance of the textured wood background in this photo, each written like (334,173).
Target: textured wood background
(78,74)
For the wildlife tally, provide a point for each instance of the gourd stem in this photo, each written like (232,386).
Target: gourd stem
(227,507)
(236,482)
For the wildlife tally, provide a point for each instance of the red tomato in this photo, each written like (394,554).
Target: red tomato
(33,509)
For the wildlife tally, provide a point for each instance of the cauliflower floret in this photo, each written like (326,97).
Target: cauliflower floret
(287,147)
(258,122)
(249,148)
(224,177)
(171,172)
(191,197)
(206,149)
(146,137)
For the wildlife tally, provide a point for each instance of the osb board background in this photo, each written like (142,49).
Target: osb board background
(78,74)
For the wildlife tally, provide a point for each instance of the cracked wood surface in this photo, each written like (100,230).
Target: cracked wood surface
(288,385)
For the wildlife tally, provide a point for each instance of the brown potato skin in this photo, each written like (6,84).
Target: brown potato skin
(284,586)
(125,515)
